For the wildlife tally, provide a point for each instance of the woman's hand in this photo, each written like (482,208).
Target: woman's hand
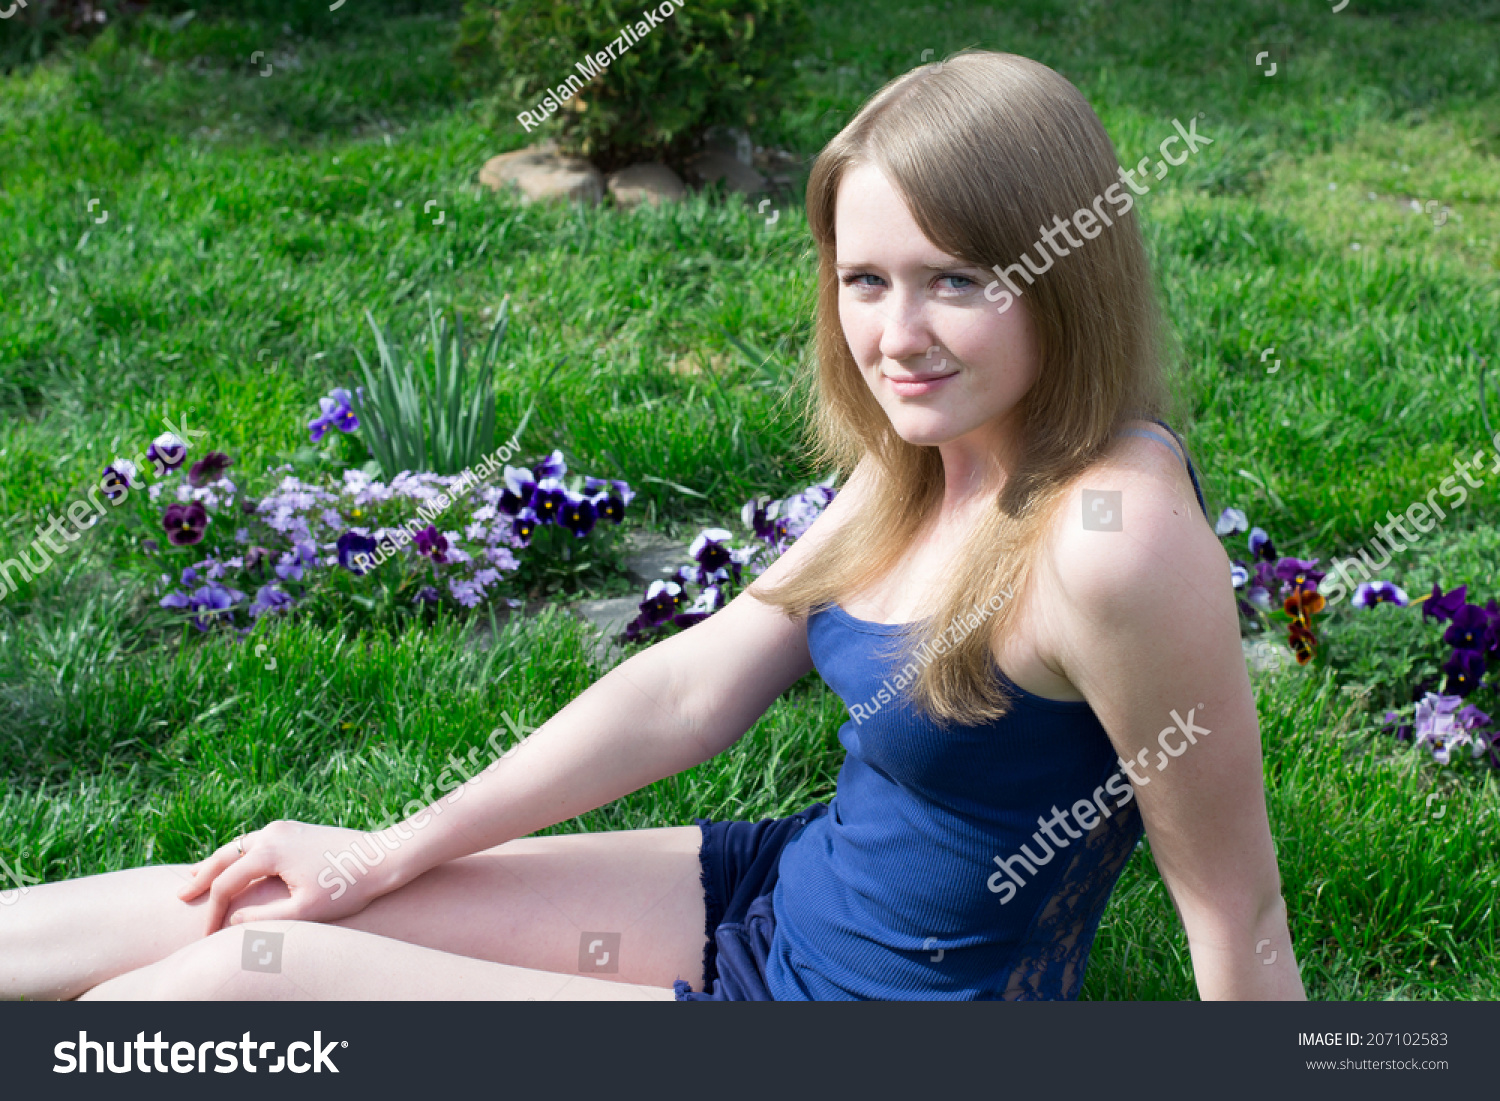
(300,855)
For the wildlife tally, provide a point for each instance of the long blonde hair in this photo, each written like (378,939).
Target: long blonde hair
(985,148)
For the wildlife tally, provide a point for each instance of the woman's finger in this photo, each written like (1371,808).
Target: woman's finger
(202,874)
(255,864)
(283,909)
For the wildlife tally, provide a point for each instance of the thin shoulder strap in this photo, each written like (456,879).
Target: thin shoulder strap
(1181,454)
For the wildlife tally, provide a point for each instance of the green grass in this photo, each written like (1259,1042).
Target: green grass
(253,219)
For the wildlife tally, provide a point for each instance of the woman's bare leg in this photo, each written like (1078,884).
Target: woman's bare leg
(528,904)
(307,961)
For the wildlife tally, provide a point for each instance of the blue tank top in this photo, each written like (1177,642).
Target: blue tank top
(960,863)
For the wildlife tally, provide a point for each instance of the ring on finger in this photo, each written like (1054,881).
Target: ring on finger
(239,843)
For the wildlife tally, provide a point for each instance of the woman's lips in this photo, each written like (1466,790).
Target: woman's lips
(918,387)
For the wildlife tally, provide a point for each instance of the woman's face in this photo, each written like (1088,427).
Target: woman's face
(939,358)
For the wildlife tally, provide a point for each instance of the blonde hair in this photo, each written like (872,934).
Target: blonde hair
(984,147)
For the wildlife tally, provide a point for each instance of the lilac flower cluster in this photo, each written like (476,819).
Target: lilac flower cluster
(718,566)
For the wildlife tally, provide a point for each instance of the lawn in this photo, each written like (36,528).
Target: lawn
(252,219)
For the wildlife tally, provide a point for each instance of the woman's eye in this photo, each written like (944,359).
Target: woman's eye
(852,279)
(964,281)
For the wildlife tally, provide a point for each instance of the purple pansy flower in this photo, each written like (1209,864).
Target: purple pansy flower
(519,492)
(578,515)
(549,501)
(337,412)
(269,599)
(351,547)
(167,452)
(1371,593)
(662,601)
(119,477)
(523,525)
(1465,669)
(550,467)
(427,594)
(1466,630)
(212,600)
(1299,573)
(755,516)
(1261,545)
(432,544)
(1230,521)
(184,524)
(209,469)
(1441,606)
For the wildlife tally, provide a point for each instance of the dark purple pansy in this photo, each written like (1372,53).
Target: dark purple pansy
(550,467)
(1466,629)
(523,525)
(1261,545)
(578,515)
(548,503)
(519,491)
(432,544)
(351,547)
(710,550)
(118,477)
(150,546)
(177,599)
(755,517)
(427,595)
(1465,669)
(1441,606)
(1299,572)
(209,469)
(167,452)
(184,524)
(610,508)
(663,598)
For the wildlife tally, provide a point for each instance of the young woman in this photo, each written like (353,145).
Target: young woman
(1016,593)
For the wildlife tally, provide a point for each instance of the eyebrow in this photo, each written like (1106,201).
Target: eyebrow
(924,267)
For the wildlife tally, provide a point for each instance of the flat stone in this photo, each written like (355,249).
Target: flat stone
(650,556)
(610,617)
(653,183)
(714,164)
(542,173)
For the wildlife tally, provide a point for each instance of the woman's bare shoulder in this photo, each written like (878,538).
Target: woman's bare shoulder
(1133,509)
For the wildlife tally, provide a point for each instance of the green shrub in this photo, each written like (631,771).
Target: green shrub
(711,63)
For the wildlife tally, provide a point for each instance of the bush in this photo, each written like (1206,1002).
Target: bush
(712,63)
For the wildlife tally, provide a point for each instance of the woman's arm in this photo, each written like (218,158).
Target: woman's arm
(666,709)
(1152,640)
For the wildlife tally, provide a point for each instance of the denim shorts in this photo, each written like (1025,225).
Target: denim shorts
(740,865)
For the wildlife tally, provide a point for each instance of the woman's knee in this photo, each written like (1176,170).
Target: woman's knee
(238,963)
